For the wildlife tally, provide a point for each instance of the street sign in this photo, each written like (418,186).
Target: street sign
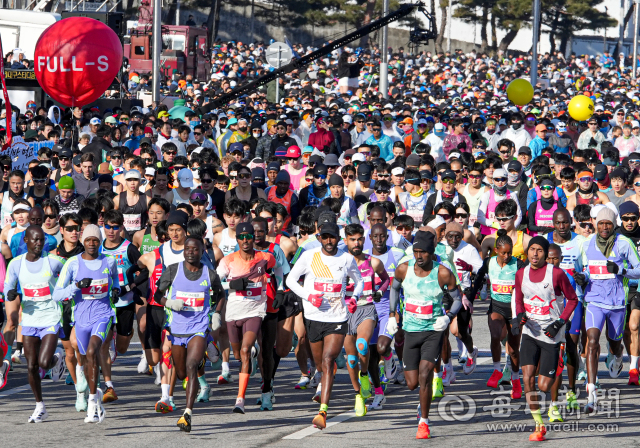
(279,54)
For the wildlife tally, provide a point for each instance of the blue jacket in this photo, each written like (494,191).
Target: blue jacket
(385,144)
(537,145)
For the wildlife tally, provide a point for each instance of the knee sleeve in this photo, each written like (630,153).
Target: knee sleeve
(352,360)
(363,346)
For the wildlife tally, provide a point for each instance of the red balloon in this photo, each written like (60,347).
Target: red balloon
(77,59)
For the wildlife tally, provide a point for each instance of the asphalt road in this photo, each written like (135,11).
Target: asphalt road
(468,415)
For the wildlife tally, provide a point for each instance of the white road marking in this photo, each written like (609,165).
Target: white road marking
(15,390)
(309,431)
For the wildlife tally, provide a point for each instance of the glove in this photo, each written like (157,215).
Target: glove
(278,301)
(84,283)
(522,319)
(12,295)
(216,321)
(315,300)
(464,266)
(138,300)
(239,284)
(552,330)
(441,323)
(115,293)
(392,326)
(581,280)
(352,305)
(175,305)
(636,300)
(466,303)
(125,289)
(612,268)
(376,296)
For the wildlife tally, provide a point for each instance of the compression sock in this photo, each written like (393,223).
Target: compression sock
(379,391)
(19,347)
(165,391)
(225,367)
(243,382)
(496,366)
(634,363)
(537,417)
(276,362)
(324,407)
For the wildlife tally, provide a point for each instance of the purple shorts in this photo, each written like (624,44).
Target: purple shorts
(595,317)
(382,308)
(184,340)
(41,332)
(84,333)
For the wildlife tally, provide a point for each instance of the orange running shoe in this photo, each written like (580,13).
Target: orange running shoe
(539,434)
(423,431)
(516,392)
(320,420)
(633,377)
(109,395)
(164,407)
(494,379)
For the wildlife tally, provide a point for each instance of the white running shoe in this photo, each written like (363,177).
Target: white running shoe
(92,416)
(39,415)
(448,377)
(615,367)
(158,370)
(100,408)
(239,407)
(60,366)
(390,369)
(4,373)
(82,384)
(303,383)
(400,378)
(316,396)
(378,401)
(315,379)
(471,363)
(81,401)
(15,358)
(212,352)
(255,351)
(143,365)
(113,353)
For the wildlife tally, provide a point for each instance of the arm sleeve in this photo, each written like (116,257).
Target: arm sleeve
(295,208)
(113,272)
(217,292)
(457,303)
(223,269)
(298,270)
(561,281)
(428,209)
(482,210)
(354,273)
(384,276)
(519,216)
(479,280)
(11,278)
(394,295)
(519,297)
(133,253)
(66,287)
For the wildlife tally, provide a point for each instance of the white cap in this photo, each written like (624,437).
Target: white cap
(439,127)
(185,178)
(358,158)
(95,121)
(500,172)
(132,174)
(397,171)
(150,171)
(347,119)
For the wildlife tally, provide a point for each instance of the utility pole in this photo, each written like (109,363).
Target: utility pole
(534,52)
(157,48)
(450,26)
(620,35)
(634,63)
(384,67)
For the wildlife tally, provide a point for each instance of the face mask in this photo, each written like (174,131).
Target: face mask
(516,126)
(501,191)
(513,178)
(243,129)
(439,133)
(193,124)
(256,134)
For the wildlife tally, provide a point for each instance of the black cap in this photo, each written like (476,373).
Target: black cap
(426,174)
(600,173)
(315,159)
(524,150)
(330,228)
(257,174)
(178,217)
(57,148)
(66,152)
(146,140)
(514,165)
(364,172)
(256,125)
(413,160)
(244,227)
(273,166)
(320,169)
(448,174)
(77,160)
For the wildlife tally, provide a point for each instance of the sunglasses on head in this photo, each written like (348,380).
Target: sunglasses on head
(244,236)
(504,218)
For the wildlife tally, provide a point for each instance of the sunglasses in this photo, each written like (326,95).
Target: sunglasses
(244,236)
(171,153)
(634,161)
(244,176)
(72,228)
(629,218)
(39,181)
(116,157)
(206,181)
(475,176)
(383,191)
(404,228)
(50,216)
(376,129)
(320,176)
(108,227)
(586,225)
(504,218)
(445,216)
(65,159)
(310,179)
(546,188)
(197,133)
(586,179)
(462,215)
(499,179)
(349,176)
(457,171)
(384,176)
(444,181)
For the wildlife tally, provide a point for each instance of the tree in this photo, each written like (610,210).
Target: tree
(468,11)
(444,7)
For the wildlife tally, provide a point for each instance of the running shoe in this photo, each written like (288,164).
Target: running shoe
(419,412)
(203,394)
(360,407)
(315,379)
(303,383)
(378,401)
(82,384)
(320,420)
(462,356)
(294,341)
(582,372)
(494,379)
(95,410)
(633,377)
(471,364)
(615,368)
(113,353)
(438,388)
(185,422)
(158,372)
(213,352)
(448,376)
(516,389)
(423,431)
(266,401)
(224,378)
(390,369)
(538,434)
(341,361)
(506,373)
(609,359)
(316,396)
(255,351)
(4,373)
(164,406)
(81,401)
(39,415)
(109,395)
(69,380)
(272,393)
(572,401)
(592,403)
(16,358)
(60,366)
(365,386)
(3,346)
(143,365)
(554,415)
(239,407)
(400,378)
(173,405)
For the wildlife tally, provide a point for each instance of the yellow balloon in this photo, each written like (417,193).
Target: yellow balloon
(581,107)
(520,91)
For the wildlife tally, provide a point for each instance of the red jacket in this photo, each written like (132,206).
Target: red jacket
(321,138)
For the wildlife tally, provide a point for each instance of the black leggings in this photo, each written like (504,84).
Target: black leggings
(269,331)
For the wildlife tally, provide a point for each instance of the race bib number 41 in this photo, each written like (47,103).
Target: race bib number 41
(193,301)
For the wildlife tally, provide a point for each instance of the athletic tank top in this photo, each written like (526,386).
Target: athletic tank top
(148,243)
(254,193)
(473,202)
(227,244)
(37,284)
(367,273)
(518,249)
(194,317)
(169,255)
(120,254)
(544,218)
(422,299)
(177,199)
(135,216)
(38,200)
(542,306)
(502,279)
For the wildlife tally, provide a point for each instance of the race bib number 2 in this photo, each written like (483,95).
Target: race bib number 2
(38,292)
